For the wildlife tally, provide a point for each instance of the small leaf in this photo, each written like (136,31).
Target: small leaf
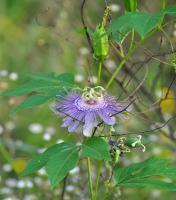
(40,161)
(96,148)
(60,163)
(32,101)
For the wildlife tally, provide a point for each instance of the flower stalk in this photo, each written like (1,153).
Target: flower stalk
(90,179)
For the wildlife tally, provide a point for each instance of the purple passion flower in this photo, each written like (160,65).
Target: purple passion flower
(87,110)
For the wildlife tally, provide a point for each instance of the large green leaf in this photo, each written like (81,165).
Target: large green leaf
(65,77)
(152,184)
(60,163)
(150,167)
(36,100)
(41,83)
(143,23)
(140,174)
(40,161)
(96,148)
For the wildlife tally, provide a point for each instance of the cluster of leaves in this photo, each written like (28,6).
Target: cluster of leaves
(40,89)
(151,173)
(59,159)
(141,22)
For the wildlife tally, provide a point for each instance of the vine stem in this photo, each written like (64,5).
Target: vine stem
(163,4)
(90,179)
(99,71)
(119,67)
(98,178)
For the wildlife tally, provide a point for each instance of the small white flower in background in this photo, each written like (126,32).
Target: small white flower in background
(21,184)
(79,78)
(42,172)
(84,51)
(154,138)
(38,181)
(51,130)
(5,190)
(30,197)
(13,76)
(115,7)
(10,125)
(155,193)
(47,136)
(29,184)
(7,167)
(59,141)
(11,182)
(3,73)
(1,129)
(41,150)
(35,128)
(70,188)
(110,64)
(156,150)
(93,79)
(75,170)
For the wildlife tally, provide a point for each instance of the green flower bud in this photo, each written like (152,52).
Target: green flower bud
(130,5)
(100,43)
(135,142)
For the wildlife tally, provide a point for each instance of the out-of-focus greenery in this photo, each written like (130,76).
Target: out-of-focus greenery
(42,36)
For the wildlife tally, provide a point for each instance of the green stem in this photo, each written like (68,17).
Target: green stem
(119,67)
(89,178)
(163,4)
(98,178)
(99,71)
(5,153)
(132,39)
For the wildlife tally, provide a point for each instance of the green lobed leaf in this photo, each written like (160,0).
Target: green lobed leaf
(97,148)
(140,174)
(143,23)
(36,100)
(60,163)
(32,101)
(153,184)
(65,77)
(41,83)
(150,167)
(40,161)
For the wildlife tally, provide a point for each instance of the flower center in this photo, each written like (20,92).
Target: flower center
(92,99)
(91,102)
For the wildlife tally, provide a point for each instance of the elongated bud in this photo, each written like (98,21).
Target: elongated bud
(100,43)
(100,39)
(130,5)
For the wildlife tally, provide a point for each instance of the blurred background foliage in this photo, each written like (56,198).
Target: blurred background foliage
(47,35)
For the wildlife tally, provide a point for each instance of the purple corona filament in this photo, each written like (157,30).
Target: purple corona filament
(87,110)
